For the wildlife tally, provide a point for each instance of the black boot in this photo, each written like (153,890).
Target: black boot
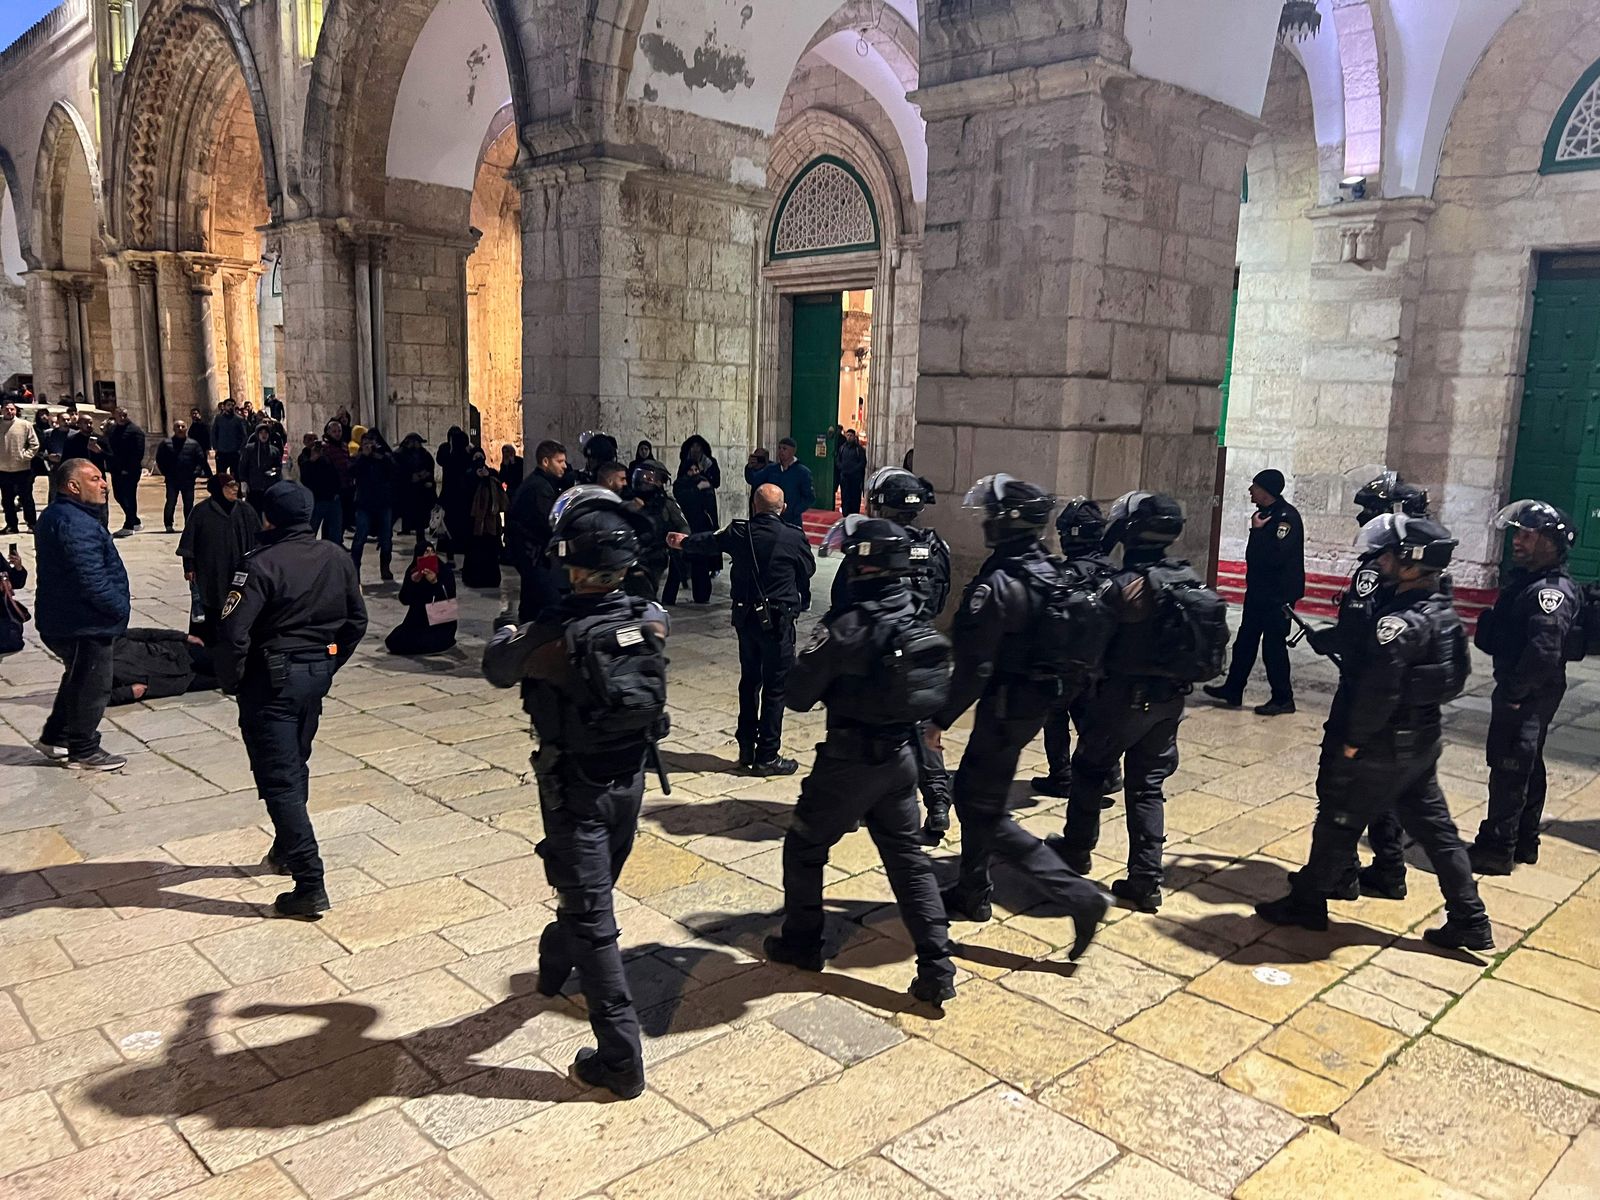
(553,970)
(307,902)
(1527,852)
(932,991)
(1080,862)
(1383,884)
(1220,693)
(938,822)
(1455,935)
(1348,887)
(779,951)
(958,907)
(626,1084)
(1141,894)
(1049,785)
(1085,925)
(1298,910)
(270,865)
(1486,861)
(384,572)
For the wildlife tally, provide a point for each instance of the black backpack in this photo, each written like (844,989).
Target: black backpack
(619,684)
(913,679)
(1075,624)
(1191,624)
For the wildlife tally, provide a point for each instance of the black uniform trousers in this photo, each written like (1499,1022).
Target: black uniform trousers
(17,487)
(125,487)
(1350,791)
(697,569)
(1515,752)
(1384,832)
(178,489)
(589,827)
(1264,627)
(1009,716)
(857,781)
(764,662)
(1135,721)
(277,722)
(81,699)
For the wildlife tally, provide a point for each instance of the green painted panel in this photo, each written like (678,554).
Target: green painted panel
(814,389)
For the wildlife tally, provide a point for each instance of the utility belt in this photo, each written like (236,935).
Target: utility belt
(1019,696)
(556,771)
(869,741)
(769,616)
(276,663)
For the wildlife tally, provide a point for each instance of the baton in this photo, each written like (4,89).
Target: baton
(653,755)
(1303,634)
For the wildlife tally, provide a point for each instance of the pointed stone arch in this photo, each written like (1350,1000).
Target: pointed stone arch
(65,132)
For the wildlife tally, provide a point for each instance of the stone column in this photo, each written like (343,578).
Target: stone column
(73,314)
(48,334)
(361,275)
(320,364)
(1077,275)
(202,270)
(82,296)
(241,333)
(148,324)
(377,255)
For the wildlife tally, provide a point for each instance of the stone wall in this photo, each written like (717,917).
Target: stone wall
(1495,213)
(494,308)
(425,330)
(16,355)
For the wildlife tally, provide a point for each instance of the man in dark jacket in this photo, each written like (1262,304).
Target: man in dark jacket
(260,466)
(528,530)
(216,537)
(82,606)
(228,436)
(125,448)
(789,476)
(148,664)
(771,585)
(180,460)
(1275,566)
(851,468)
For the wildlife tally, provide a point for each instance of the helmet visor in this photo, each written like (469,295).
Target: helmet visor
(1124,504)
(1357,478)
(983,493)
(585,493)
(1526,514)
(1381,533)
(884,474)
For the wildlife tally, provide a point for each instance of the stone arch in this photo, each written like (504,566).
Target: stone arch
(64,136)
(190,64)
(21,211)
(816,133)
(361,58)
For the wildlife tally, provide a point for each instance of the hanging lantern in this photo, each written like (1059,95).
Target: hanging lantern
(1298,21)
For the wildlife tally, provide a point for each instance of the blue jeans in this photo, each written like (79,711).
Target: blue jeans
(328,516)
(377,523)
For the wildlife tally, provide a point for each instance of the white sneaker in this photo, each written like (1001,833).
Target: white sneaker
(49,749)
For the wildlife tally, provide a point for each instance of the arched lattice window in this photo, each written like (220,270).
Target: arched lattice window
(827,210)
(1574,141)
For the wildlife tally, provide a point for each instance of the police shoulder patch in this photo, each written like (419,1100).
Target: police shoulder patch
(1283,530)
(1366,582)
(980,597)
(1390,628)
(1550,599)
(231,603)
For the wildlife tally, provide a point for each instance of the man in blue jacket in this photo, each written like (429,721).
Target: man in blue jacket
(82,607)
(792,478)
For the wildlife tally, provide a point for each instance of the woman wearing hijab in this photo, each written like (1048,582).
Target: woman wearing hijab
(642,453)
(456,487)
(485,502)
(429,593)
(417,492)
(373,471)
(511,469)
(695,488)
(216,537)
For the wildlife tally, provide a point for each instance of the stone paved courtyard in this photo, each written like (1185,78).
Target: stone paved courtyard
(160,1037)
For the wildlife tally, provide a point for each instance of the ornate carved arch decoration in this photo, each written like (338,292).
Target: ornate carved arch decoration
(355,79)
(189,54)
(817,133)
(64,129)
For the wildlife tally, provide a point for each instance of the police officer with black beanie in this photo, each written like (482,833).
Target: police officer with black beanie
(993,634)
(1081,526)
(880,669)
(593,671)
(895,494)
(1275,575)
(292,617)
(1415,660)
(1526,633)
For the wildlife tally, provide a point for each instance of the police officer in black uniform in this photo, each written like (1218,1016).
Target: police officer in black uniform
(1414,660)
(879,668)
(1275,576)
(598,450)
(591,759)
(293,617)
(660,515)
(1527,634)
(895,494)
(771,584)
(1137,707)
(993,636)
(1081,526)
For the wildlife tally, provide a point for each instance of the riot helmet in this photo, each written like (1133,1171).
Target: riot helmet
(898,495)
(1380,490)
(649,476)
(869,544)
(591,527)
(1542,518)
(1420,541)
(1013,509)
(597,447)
(1144,520)
(1081,526)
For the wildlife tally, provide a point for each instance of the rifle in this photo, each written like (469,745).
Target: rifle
(1303,633)
(653,757)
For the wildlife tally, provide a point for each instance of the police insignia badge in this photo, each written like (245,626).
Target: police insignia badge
(231,603)
(1549,599)
(918,553)
(1283,530)
(1390,628)
(239,578)
(979,597)
(1366,582)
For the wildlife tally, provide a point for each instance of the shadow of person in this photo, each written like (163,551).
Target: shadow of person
(236,1089)
(25,756)
(1585,833)
(136,883)
(726,816)
(694,760)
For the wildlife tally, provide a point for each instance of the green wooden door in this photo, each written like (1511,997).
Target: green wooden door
(814,385)
(1558,430)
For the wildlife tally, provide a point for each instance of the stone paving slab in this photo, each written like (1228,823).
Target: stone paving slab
(160,1036)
